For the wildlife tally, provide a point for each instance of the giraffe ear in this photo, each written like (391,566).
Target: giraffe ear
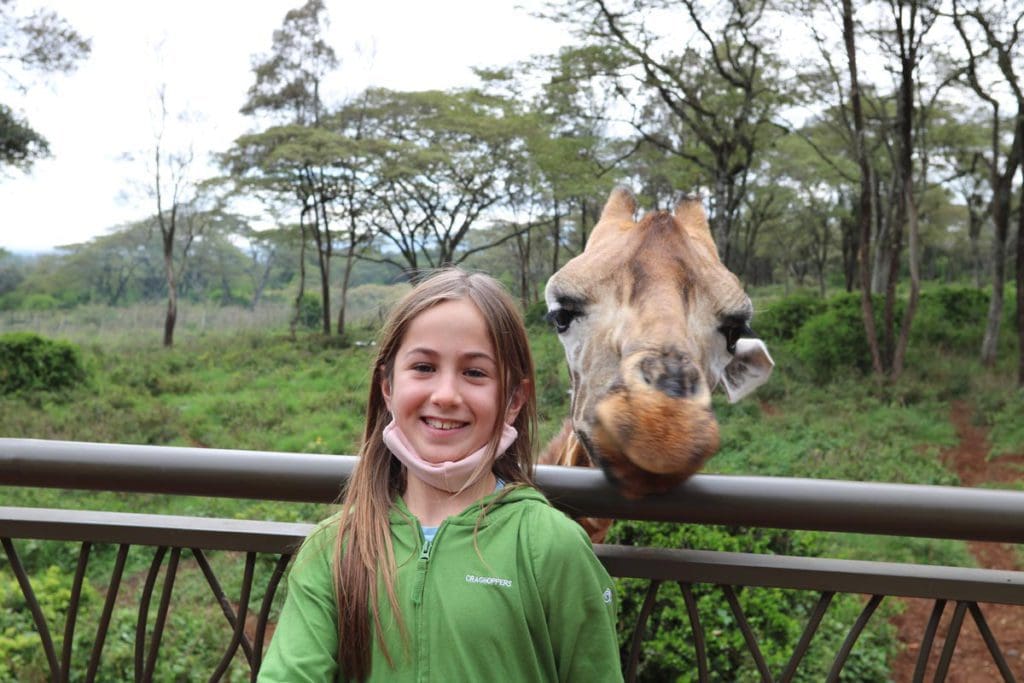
(750,367)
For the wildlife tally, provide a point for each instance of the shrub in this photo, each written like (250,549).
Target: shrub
(31,362)
(776,616)
(784,318)
(535,314)
(835,339)
(39,302)
(310,311)
(950,317)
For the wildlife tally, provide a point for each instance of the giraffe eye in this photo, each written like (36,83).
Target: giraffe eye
(733,331)
(561,318)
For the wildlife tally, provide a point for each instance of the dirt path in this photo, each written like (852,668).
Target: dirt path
(972,662)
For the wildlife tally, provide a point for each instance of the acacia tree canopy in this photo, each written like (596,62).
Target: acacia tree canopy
(41,42)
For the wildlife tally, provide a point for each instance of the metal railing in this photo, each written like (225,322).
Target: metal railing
(825,505)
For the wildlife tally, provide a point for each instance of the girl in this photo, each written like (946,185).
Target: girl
(445,564)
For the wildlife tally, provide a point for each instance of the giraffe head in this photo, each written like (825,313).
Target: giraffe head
(651,322)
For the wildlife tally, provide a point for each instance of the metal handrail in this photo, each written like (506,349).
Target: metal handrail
(770,502)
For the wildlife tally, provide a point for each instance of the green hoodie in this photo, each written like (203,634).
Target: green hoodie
(534,604)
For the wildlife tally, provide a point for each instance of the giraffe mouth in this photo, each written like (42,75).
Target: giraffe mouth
(653,428)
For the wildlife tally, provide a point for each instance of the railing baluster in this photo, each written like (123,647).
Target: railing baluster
(851,638)
(108,610)
(140,628)
(990,640)
(928,640)
(748,634)
(218,592)
(641,621)
(805,639)
(699,643)
(952,634)
(72,615)
(37,612)
(261,622)
(243,607)
(161,612)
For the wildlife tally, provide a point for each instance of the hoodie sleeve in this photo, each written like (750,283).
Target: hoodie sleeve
(304,646)
(579,600)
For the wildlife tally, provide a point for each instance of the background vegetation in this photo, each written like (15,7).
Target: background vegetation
(264,390)
(871,211)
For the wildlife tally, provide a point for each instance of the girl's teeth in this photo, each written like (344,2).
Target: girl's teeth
(442,424)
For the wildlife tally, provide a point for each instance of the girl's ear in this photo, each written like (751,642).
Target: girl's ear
(517,401)
(385,388)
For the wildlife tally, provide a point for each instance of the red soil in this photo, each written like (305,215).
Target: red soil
(972,662)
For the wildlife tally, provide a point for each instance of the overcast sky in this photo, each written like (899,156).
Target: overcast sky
(201,49)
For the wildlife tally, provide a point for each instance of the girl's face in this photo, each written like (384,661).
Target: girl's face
(443,392)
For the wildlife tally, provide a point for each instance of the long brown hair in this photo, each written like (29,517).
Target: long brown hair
(364,557)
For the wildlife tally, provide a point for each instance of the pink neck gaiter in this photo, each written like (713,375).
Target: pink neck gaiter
(451,476)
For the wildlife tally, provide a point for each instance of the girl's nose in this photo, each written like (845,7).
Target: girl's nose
(446,389)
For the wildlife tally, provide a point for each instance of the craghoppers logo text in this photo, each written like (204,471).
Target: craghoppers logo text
(489,580)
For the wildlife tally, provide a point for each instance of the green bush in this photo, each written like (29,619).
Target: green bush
(21,655)
(835,339)
(39,302)
(31,362)
(310,311)
(535,314)
(784,318)
(777,617)
(950,317)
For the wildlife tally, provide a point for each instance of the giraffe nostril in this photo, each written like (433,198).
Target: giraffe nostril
(671,373)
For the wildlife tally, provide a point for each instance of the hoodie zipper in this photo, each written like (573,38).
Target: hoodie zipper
(423,564)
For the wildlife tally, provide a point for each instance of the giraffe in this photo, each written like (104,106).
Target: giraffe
(651,321)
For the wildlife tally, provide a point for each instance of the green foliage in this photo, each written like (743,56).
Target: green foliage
(264,391)
(834,340)
(29,362)
(783,319)
(951,318)
(535,314)
(777,617)
(21,653)
(39,302)
(311,312)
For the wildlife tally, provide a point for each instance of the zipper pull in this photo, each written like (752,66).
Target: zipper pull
(425,551)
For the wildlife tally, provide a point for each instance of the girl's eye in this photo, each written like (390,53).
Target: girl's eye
(422,367)
(476,373)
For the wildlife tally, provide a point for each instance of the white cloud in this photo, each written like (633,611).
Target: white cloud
(105,109)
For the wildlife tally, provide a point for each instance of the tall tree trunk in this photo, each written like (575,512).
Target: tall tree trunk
(1020,291)
(346,278)
(1001,218)
(975,221)
(302,272)
(867,309)
(915,284)
(167,230)
(556,239)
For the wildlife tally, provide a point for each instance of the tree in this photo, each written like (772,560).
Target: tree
(715,104)
(287,89)
(452,158)
(865,203)
(42,42)
(998,33)
(184,208)
(107,267)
